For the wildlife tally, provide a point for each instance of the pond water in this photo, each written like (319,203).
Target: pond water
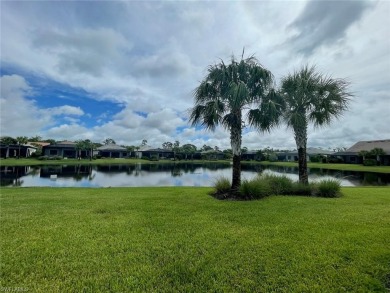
(181,174)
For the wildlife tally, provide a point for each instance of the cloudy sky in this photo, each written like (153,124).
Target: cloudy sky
(126,70)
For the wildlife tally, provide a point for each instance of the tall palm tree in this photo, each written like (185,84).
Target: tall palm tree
(231,93)
(311,97)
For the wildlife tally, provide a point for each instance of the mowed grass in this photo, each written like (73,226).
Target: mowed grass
(182,240)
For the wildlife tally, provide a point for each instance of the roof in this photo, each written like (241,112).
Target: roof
(369,145)
(40,143)
(317,151)
(159,150)
(62,144)
(111,147)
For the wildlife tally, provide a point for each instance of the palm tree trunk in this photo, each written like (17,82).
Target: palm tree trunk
(302,166)
(235,141)
(301,140)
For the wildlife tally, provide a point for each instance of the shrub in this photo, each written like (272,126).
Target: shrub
(144,158)
(154,158)
(280,185)
(221,185)
(334,160)
(255,189)
(43,158)
(328,188)
(369,162)
(316,159)
(302,189)
(273,158)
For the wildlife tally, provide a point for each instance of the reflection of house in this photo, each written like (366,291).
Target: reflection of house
(112,151)
(66,171)
(310,152)
(10,175)
(351,155)
(65,149)
(12,150)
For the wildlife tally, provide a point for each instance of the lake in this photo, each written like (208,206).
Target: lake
(179,174)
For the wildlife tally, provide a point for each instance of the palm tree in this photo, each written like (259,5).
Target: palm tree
(21,140)
(311,97)
(377,152)
(225,93)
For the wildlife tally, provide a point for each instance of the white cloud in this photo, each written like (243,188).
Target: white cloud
(149,57)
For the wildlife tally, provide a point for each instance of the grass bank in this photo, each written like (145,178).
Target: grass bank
(181,240)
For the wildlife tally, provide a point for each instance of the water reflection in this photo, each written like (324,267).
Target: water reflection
(182,174)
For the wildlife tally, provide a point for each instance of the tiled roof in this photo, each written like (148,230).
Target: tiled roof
(369,145)
(111,147)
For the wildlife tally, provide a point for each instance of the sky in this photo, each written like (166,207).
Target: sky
(127,70)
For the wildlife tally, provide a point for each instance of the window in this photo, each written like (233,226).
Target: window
(53,152)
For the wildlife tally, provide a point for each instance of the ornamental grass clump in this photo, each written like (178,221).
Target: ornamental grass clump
(221,187)
(328,188)
(255,189)
(280,185)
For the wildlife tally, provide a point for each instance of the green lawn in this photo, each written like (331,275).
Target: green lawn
(182,240)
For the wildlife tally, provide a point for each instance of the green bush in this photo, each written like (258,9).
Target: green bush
(328,188)
(221,185)
(280,185)
(369,162)
(154,158)
(144,158)
(255,189)
(273,158)
(43,158)
(302,189)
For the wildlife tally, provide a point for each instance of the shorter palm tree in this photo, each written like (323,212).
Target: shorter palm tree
(311,97)
(21,140)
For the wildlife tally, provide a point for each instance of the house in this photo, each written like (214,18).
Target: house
(251,155)
(65,149)
(352,156)
(15,150)
(159,153)
(310,154)
(212,155)
(113,151)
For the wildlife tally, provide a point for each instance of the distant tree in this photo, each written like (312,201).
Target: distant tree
(311,97)
(144,142)
(363,154)
(85,145)
(206,148)
(167,145)
(244,150)
(51,141)
(7,140)
(109,141)
(176,148)
(21,140)
(35,138)
(188,149)
(377,152)
(216,148)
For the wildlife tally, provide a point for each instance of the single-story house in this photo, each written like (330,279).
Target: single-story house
(65,149)
(352,155)
(159,153)
(310,152)
(12,150)
(251,155)
(112,151)
(213,155)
